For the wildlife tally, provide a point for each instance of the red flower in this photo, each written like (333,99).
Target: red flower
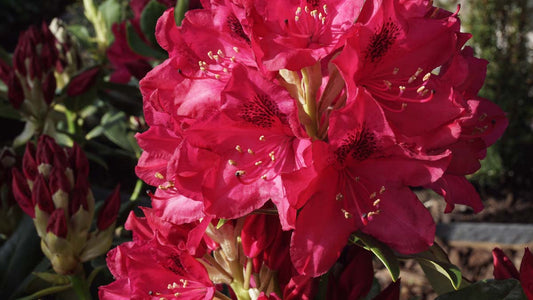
(362,183)
(295,34)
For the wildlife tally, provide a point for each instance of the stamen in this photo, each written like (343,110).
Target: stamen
(236,49)
(238,148)
(373,195)
(376,203)
(264,177)
(395,71)
(347,215)
(240,173)
(251,151)
(159,175)
(257,163)
(272,157)
(426,77)
(339,197)
(232,162)
(262,138)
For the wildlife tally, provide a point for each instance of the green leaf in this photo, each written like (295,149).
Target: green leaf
(509,289)
(18,257)
(149,16)
(443,277)
(53,278)
(382,251)
(179,11)
(138,46)
(81,33)
(115,128)
(112,12)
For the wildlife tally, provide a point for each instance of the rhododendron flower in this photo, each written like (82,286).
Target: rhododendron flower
(331,111)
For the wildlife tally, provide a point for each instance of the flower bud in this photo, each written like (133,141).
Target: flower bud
(108,214)
(29,165)
(15,93)
(49,87)
(82,82)
(57,223)
(22,193)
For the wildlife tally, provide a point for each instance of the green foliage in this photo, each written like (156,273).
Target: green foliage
(500,29)
(508,289)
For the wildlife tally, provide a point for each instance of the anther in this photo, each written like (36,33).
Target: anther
(347,215)
(296,18)
(264,177)
(373,195)
(426,77)
(240,173)
(257,163)
(217,76)
(159,175)
(313,13)
(272,157)
(420,89)
(238,148)
(225,70)
(418,71)
(306,9)
(376,203)
(395,71)
(220,53)
(210,54)
(236,49)
(382,190)
(250,151)
(388,84)
(339,197)
(232,162)
(175,285)
(298,10)
(262,138)
(325,8)
(232,59)
(411,79)
(184,282)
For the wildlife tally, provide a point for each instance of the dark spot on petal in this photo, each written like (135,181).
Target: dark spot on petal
(260,111)
(236,29)
(382,41)
(313,3)
(360,145)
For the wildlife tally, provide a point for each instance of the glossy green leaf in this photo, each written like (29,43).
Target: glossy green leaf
(149,16)
(179,11)
(18,257)
(138,46)
(509,289)
(444,277)
(382,251)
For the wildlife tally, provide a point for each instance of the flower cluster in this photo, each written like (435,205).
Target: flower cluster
(324,112)
(53,189)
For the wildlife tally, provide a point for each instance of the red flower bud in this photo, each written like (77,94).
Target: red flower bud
(78,197)
(57,224)
(49,152)
(22,193)
(29,165)
(41,195)
(15,93)
(108,213)
(58,181)
(82,82)
(391,292)
(78,161)
(526,273)
(503,266)
(49,87)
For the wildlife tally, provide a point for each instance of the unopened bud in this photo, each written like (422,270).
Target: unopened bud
(108,214)
(15,92)
(22,193)
(29,165)
(41,195)
(57,223)
(82,82)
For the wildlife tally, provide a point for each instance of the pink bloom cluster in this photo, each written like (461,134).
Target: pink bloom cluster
(329,111)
